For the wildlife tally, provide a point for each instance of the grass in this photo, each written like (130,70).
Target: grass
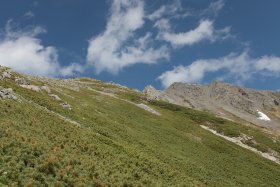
(226,127)
(120,144)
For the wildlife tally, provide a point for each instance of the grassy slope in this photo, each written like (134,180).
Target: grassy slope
(121,144)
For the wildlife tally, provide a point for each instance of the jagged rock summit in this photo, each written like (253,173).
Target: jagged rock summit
(259,107)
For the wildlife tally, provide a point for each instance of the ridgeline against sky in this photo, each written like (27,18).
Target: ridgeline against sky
(140,42)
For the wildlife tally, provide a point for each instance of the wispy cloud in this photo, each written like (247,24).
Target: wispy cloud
(22,50)
(204,31)
(35,3)
(174,10)
(214,8)
(238,67)
(29,15)
(119,46)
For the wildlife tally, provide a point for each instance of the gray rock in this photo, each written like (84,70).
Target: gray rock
(31,87)
(21,81)
(46,89)
(56,97)
(7,93)
(245,137)
(273,153)
(66,106)
(153,94)
(225,100)
(147,108)
(6,74)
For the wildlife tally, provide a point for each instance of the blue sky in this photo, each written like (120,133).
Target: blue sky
(142,42)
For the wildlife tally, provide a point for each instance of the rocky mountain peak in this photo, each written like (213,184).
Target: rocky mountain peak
(151,92)
(225,100)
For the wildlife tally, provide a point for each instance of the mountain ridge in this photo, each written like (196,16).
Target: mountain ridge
(225,100)
(85,132)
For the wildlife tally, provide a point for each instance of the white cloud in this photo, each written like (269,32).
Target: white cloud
(174,10)
(217,6)
(118,46)
(214,8)
(240,67)
(71,69)
(163,24)
(24,52)
(204,31)
(158,13)
(29,15)
(163,16)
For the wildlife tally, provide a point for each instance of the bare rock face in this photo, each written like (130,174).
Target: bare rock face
(65,105)
(147,108)
(46,89)
(7,94)
(225,100)
(21,81)
(55,97)
(6,74)
(154,94)
(31,87)
(151,92)
(245,137)
(25,84)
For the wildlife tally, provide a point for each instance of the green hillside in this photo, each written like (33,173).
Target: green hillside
(107,140)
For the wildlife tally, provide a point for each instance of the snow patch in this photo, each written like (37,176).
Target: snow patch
(262,116)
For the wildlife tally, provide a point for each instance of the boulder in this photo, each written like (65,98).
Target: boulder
(31,87)
(21,81)
(6,74)
(56,97)
(66,106)
(7,93)
(151,92)
(154,94)
(245,137)
(46,89)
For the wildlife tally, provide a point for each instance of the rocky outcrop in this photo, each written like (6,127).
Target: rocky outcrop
(7,94)
(6,74)
(31,87)
(26,84)
(46,89)
(147,108)
(55,97)
(154,94)
(21,81)
(225,100)
(65,105)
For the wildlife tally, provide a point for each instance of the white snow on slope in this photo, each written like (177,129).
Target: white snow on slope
(263,116)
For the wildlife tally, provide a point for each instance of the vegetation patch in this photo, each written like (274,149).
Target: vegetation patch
(120,144)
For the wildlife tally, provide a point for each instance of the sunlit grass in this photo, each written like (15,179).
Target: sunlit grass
(121,144)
